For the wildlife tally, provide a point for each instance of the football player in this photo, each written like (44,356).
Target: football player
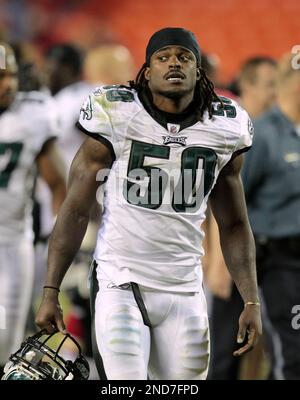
(62,74)
(162,147)
(27,131)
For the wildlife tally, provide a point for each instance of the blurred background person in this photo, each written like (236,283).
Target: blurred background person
(109,63)
(28,127)
(271,177)
(63,67)
(29,76)
(257,85)
(63,76)
(257,94)
(211,64)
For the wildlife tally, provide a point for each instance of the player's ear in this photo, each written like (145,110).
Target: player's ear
(198,74)
(147,73)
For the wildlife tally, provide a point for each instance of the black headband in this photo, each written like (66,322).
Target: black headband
(172,37)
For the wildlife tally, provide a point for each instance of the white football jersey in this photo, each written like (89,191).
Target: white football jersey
(24,128)
(157,189)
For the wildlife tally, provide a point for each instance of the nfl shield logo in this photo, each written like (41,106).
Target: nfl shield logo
(173,129)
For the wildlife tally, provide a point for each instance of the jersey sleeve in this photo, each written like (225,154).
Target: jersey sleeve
(96,120)
(244,141)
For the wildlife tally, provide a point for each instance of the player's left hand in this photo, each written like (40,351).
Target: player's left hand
(250,324)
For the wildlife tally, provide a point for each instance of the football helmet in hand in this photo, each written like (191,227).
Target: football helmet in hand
(44,357)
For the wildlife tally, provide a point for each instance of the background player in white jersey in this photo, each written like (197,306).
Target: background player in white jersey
(149,308)
(63,72)
(27,129)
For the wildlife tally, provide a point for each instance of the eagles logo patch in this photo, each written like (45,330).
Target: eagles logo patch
(175,139)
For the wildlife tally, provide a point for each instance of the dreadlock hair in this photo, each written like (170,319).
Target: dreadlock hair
(204,94)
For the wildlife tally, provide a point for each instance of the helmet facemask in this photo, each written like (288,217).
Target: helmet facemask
(43,357)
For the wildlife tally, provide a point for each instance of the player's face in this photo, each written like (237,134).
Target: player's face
(264,87)
(55,75)
(8,84)
(173,72)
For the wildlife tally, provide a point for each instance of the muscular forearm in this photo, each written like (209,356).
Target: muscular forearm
(239,253)
(64,243)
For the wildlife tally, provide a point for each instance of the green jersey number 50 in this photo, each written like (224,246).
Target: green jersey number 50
(146,185)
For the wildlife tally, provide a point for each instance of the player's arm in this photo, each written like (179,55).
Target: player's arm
(71,225)
(229,208)
(51,169)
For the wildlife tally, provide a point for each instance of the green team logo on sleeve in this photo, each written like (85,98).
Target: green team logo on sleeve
(87,110)
(117,93)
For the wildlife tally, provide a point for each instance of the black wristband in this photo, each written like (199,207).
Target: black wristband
(51,287)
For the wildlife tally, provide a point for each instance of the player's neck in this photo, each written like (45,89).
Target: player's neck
(173,106)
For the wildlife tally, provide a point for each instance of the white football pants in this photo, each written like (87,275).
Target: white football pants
(16,280)
(175,347)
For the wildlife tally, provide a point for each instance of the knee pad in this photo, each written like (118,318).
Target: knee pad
(123,330)
(193,344)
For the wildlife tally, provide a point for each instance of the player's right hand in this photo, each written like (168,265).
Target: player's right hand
(50,315)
